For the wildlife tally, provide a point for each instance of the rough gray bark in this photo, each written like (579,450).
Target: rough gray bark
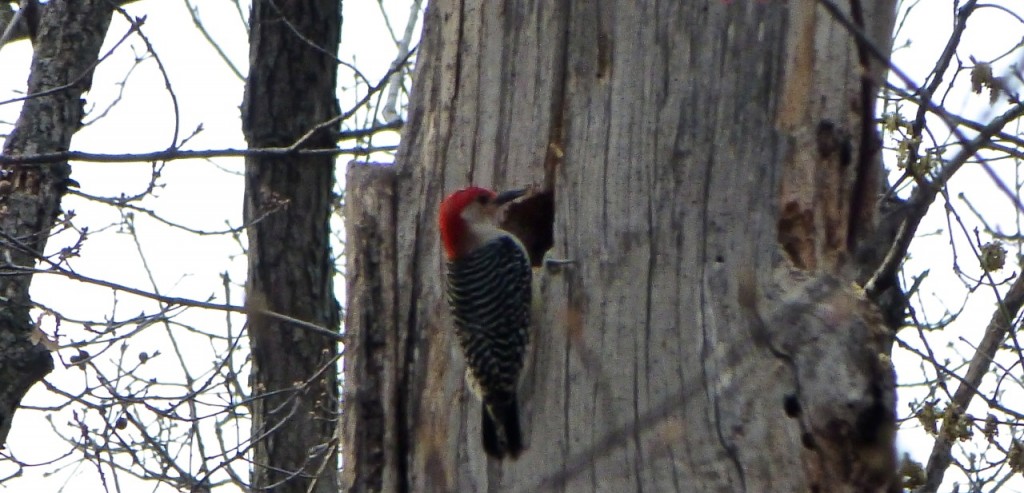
(28,22)
(714,167)
(67,47)
(289,91)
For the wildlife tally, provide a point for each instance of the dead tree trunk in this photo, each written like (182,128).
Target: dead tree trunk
(67,45)
(290,90)
(715,170)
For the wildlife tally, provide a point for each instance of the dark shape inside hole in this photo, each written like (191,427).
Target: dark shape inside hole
(532,220)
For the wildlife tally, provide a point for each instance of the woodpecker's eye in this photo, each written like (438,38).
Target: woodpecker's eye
(482,199)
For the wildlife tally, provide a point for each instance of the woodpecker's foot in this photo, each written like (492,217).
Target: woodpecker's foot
(555,265)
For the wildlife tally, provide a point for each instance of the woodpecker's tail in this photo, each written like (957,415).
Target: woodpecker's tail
(501,433)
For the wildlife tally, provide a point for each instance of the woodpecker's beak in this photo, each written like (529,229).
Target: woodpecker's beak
(509,196)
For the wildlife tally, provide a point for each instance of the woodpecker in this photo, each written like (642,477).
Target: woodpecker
(489,293)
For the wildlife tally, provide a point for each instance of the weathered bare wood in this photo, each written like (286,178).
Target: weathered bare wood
(289,90)
(372,401)
(69,39)
(707,159)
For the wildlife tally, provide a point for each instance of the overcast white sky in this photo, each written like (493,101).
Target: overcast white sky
(205,195)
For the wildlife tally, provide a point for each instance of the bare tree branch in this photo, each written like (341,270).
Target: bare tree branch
(175,154)
(390,112)
(172,300)
(995,333)
(926,192)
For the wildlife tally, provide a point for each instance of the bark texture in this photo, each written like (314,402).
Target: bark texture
(714,167)
(289,91)
(372,401)
(28,21)
(69,36)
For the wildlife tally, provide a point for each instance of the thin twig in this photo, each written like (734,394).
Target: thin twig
(997,329)
(177,154)
(172,300)
(925,194)
(194,12)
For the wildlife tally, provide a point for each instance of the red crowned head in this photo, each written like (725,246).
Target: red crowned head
(452,221)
